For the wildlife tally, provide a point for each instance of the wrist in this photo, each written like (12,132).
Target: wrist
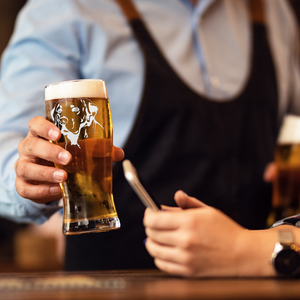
(255,251)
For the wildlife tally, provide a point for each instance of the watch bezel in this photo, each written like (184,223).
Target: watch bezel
(278,260)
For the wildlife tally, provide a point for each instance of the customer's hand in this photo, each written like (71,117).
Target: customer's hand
(36,177)
(202,241)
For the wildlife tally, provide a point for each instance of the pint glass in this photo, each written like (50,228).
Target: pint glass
(81,110)
(286,187)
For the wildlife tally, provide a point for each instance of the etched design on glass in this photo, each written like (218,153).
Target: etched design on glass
(71,117)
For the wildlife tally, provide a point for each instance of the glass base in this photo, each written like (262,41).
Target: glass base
(89,226)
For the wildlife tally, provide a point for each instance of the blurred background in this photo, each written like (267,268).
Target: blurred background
(31,247)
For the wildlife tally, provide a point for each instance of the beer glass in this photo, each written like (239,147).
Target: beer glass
(81,110)
(286,187)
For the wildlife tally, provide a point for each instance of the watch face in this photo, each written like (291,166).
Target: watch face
(287,262)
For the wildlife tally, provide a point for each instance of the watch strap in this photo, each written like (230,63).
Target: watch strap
(285,237)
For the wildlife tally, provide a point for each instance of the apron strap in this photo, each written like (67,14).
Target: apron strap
(257,11)
(129,9)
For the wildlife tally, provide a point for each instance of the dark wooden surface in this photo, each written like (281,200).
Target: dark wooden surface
(140,284)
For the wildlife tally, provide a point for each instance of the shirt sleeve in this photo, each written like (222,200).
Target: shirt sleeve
(293,220)
(45,48)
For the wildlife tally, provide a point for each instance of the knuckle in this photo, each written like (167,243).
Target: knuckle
(193,221)
(21,169)
(31,144)
(16,164)
(43,175)
(21,189)
(210,215)
(187,241)
(21,146)
(33,121)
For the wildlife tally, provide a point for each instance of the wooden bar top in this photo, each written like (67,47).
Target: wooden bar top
(140,284)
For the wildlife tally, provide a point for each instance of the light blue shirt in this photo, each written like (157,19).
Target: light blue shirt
(208,46)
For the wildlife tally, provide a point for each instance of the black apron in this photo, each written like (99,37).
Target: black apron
(214,151)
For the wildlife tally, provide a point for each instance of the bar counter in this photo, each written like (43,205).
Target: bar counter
(140,284)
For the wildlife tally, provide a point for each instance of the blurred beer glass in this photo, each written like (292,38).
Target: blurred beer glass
(286,187)
(81,110)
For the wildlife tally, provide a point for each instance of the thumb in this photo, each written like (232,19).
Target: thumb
(118,154)
(184,201)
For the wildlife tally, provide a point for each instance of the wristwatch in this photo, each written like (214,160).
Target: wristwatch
(286,255)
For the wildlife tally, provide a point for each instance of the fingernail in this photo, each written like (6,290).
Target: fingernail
(145,240)
(53,134)
(58,175)
(54,190)
(64,156)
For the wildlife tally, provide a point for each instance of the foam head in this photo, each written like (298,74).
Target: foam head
(290,130)
(82,88)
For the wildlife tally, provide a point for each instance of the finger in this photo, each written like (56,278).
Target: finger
(31,171)
(172,268)
(162,219)
(35,147)
(39,126)
(270,172)
(167,238)
(41,193)
(184,201)
(170,208)
(118,154)
(164,252)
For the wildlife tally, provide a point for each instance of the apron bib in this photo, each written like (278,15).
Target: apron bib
(214,151)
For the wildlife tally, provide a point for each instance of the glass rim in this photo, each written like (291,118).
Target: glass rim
(82,88)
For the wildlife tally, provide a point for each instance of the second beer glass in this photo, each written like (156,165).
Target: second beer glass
(286,191)
(81,110)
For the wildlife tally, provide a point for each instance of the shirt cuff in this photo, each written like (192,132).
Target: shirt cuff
(293,220)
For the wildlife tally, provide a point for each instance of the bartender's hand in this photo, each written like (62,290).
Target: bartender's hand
(270,172)
(202,241)
(36,177)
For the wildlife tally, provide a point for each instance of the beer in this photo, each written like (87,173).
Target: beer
(81,110)
(286,186)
